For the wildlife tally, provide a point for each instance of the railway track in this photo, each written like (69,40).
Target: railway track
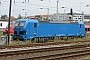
(41,53)
(62,56)
(40,44)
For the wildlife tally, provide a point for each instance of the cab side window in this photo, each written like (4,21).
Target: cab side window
(35,25)
(80,26)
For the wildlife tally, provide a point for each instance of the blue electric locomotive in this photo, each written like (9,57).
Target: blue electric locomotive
(29,28)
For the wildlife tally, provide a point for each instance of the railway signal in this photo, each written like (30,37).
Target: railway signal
(71,11)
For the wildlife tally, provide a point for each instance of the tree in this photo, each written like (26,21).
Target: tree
(19,16)
(47,18)
(4,16)
(38,17)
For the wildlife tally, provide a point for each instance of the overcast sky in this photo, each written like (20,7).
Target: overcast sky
(33,7)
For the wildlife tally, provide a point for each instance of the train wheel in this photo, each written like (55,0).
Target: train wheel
(32,40)
(52,38)
(67,38)
(72,37)
(81,37)
(61,38)
(37,41)
(58,37)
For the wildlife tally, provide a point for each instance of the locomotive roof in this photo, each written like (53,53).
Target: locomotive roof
(61,22)
(30,20)
(56,22)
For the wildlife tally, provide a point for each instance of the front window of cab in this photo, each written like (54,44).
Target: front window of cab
(19,24)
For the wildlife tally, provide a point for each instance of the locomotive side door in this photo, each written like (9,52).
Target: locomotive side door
(80,29)
(35,29)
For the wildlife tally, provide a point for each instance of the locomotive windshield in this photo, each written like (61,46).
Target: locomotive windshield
(19,24)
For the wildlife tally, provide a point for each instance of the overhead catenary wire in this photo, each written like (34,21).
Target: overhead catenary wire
(33,4)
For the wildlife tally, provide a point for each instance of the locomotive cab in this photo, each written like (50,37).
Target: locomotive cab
(24,30)
(82,29)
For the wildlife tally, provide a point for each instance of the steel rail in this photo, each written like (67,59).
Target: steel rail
(38,44)
(19,52)
(60,56)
